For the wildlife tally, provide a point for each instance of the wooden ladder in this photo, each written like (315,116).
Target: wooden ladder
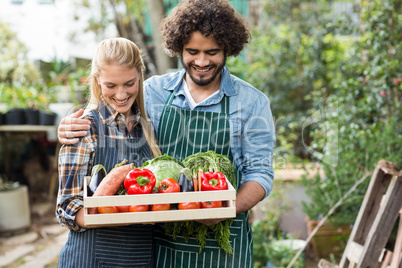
(377,216)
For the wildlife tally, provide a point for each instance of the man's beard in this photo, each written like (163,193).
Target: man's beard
(203,82)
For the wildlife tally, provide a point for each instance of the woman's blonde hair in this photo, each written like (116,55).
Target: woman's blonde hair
(125,53)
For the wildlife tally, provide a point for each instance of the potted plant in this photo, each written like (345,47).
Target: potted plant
(14,206)
(36,101)
(15,104)
(23,104)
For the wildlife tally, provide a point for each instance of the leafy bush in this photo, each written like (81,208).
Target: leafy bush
(267,232)
(368,101)
(15,68)
(295,50)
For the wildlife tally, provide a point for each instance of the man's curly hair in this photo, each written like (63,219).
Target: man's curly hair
(210,17)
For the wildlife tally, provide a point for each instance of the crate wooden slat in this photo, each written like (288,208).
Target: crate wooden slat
(95,220)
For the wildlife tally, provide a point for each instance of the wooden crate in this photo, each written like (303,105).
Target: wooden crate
(225,212)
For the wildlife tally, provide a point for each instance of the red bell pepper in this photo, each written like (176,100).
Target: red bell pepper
(211,181)
(139,181)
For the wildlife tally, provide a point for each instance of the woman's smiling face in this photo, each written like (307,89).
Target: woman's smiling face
(119,87)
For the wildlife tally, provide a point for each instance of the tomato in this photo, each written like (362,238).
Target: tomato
(102,210)
(123,208)
(211,204)
(190,205)
(169,185)
(159,207)
(139,208)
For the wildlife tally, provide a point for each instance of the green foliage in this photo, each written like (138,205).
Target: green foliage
(368,101)
(295,51)
(267,234)
(15,68)
(121,12)
(205,161)
(23,97)
(280,255)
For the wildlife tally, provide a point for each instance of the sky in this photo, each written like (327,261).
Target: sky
(46,28)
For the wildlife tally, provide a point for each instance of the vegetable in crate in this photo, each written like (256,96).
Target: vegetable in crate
(139,181)
(97,175)
(211,204)
(211,161)
(189,205)
(212,181)
(186,180)
(139,208)
(208,161)
(164,167)
(169,185)
(160,207)
(112,209)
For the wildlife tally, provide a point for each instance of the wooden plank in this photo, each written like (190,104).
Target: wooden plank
(383,224)
(354,252)
(396,258)
(159,216)
(359,229)
(26,128)
(387,259)
(113,219)
(370,205)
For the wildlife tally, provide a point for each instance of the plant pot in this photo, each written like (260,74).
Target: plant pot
(2,116)
(47,118)
(15,116)
(14,209)
(329,239)
(31,116)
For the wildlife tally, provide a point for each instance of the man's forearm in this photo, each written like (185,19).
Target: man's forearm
(248,195)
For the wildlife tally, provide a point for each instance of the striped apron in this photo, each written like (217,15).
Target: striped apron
(127,246)
(182,133)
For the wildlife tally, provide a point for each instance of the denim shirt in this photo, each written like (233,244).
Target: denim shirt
(252,132)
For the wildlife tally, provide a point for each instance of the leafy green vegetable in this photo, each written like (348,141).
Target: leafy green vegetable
(164,167)
(211,161)
(208,161)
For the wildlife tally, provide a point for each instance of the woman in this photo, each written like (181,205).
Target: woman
(118,130)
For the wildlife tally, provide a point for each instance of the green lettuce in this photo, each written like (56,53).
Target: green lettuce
(164,167)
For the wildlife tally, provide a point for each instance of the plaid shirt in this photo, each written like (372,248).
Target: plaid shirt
(76,161)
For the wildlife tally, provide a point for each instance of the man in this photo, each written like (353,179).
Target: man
(204,107)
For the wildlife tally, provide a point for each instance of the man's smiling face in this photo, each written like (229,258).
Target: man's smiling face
(203,59)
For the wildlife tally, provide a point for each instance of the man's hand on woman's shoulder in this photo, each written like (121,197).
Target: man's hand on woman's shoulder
(71,128)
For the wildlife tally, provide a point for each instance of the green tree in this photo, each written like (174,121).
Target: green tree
(368,101)
(128,16)
(294,51)
(15,67)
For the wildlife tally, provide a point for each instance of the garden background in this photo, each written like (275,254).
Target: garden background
(330,68)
